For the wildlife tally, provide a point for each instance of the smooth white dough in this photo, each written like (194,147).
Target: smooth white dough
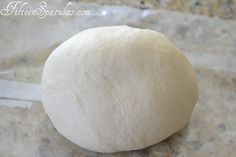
(111,89)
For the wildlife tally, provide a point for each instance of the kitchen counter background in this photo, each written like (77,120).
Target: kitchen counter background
(209,43)
(225,9)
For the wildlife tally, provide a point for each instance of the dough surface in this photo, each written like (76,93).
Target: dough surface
(117,88)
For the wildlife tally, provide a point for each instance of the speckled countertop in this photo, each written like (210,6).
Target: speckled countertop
(209,43)
(225,9)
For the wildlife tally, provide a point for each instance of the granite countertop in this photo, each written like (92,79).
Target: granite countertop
(219,8)
(209,43)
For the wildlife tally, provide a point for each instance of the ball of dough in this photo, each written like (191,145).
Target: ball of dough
(118,88)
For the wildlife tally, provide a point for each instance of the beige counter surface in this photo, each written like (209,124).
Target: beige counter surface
(225,9)
(209,43)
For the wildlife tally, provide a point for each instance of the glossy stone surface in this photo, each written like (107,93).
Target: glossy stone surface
(209,43)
